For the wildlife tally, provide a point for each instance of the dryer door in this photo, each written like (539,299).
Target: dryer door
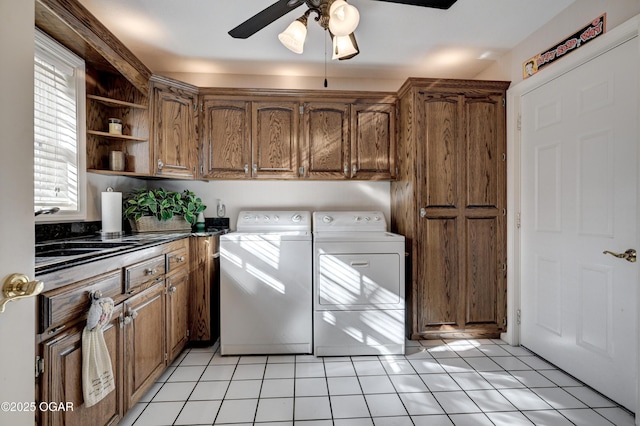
(359,281)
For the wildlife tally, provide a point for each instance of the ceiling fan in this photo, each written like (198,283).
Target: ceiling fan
(282,7)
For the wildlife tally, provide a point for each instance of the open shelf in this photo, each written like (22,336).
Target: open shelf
(115,102)
(114,136)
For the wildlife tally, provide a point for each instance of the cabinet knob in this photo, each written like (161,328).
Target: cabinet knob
(423,212)
(160,164)
(255,169)
(150,271)
(354,170)
(179,259)
(172,289)
(246,169)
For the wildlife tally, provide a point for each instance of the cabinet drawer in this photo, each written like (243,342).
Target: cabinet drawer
(72,302)
(177,259)
(144,272)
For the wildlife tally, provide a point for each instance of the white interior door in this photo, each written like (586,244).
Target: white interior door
(17,323)
(579,161)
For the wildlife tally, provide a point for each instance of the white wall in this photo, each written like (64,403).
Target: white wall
(576,16)
(307,195)
(255,194)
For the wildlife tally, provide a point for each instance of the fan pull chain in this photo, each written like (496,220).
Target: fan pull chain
(326,84)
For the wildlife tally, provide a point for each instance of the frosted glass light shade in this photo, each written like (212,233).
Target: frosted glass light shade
(294,36)
(343,18)
(344,47)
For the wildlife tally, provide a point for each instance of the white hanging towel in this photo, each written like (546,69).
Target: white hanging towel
(97,373)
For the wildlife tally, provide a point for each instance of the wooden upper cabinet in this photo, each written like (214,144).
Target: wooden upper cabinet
(325,141)
(274,140)
(373,128)
(174,129)
(225,141)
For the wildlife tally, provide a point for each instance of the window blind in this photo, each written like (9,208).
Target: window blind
(57,180)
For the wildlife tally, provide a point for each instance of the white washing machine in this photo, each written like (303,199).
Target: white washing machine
(266,284)
(359,287)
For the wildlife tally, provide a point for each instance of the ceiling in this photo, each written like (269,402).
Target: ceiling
(395,40)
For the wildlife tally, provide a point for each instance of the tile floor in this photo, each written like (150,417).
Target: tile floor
(471,382)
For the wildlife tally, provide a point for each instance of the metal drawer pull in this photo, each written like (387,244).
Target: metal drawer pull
(149,271)
(363,264)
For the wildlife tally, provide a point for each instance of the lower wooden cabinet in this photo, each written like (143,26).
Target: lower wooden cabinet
(177,294)
(61,381)
(144,336)
(148,329)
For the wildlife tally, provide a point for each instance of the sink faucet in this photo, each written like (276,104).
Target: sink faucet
(51,210)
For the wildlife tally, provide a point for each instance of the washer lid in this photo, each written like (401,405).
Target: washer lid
(273,221)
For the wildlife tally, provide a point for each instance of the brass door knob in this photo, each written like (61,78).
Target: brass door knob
(19,286)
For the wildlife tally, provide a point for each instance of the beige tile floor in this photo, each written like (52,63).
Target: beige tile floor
(436,383)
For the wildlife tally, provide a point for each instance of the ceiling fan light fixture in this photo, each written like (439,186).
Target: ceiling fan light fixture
(343,18)
(344,47)
(294,36)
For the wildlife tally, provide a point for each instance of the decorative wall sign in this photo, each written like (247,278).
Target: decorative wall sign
(596,28)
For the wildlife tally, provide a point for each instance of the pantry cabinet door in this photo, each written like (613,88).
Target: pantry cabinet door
(325,140)
(226,141)
(274,137)
(462,240)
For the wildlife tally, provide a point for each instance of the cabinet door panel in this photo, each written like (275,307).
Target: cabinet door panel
(482,271)
(440,287)
(174,132)
(226,145)
(484,152)
(373,141)
(440,145)
(62,380)
(178,312)
(325,151)
(275,139)
(145,341)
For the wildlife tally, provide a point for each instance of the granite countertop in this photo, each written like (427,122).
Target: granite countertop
(64,253)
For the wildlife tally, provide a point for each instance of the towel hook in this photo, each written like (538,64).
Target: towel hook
(95,295)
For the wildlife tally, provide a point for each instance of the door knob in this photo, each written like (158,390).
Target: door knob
(629,255)
(19,286)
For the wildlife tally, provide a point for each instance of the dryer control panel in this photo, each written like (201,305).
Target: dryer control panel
(350,221)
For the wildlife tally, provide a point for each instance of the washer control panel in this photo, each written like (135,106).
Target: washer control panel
(273,221)
(366,221)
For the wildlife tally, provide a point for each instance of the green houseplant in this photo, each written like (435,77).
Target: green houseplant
(181,209)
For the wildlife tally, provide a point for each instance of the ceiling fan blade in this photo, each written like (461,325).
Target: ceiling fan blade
(438,4)
(264,18)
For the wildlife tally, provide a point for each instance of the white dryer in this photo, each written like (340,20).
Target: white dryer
(359,287)
(266,284)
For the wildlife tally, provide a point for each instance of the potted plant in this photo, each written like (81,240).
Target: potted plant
(161,210)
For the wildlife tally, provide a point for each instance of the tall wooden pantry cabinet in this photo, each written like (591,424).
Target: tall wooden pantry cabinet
(450,202)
